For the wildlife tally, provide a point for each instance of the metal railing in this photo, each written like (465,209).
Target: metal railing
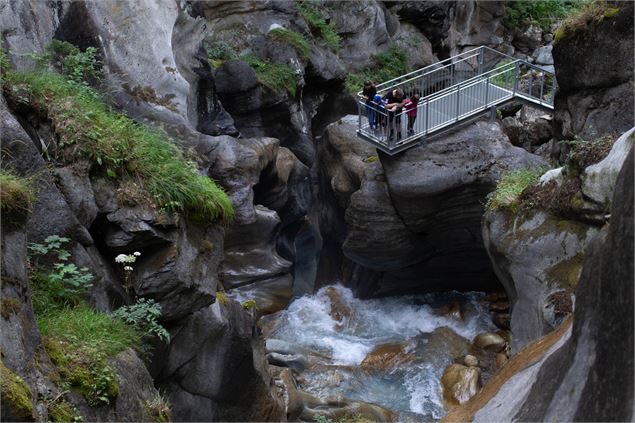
(452,91)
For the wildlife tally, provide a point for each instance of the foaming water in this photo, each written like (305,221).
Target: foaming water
(411,387)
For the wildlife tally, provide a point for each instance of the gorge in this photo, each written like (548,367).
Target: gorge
(193,231)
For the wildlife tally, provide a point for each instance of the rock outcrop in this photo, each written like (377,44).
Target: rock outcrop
(409,217)
(576,373)
(593,98)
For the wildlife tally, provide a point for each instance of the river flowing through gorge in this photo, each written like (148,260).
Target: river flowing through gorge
(388,351)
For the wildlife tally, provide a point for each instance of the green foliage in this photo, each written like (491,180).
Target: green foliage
(511,185)
(4,63)
(542,13)
(79,66)
(83,368)
(386,66)
(506,76)
(313,16)
(144,316)
(83,327)
(275,76)
(319,418)
(159,409)
(16,395)
(61,411)
(60,284)
(219,51)
(87,128)
(16,194)
(591,13)
(293,38)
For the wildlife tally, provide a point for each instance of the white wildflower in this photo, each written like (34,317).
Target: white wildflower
(137,253)
(121,258)
(128,268)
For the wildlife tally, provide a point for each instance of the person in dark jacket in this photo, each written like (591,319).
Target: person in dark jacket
(394,103)
(368,94)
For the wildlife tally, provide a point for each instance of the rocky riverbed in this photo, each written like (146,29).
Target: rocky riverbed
(389,354)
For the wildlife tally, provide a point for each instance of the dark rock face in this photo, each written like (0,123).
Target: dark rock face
(431,17)
(411,219)
(218,339)
(590,379)
(594,98)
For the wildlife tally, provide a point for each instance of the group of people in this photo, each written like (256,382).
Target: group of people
(387,110)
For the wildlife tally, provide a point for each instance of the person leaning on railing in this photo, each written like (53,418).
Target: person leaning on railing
(394,102)
(368,94)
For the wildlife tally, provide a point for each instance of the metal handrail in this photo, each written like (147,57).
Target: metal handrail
(445,105)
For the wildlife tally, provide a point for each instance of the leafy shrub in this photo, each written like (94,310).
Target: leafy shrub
(120,147)
(79,66)
(591,13)
(542,13)
(60,284)
(511,185)
(293,38)
(386,66)
(275,76)
(313,16)
(144,316)
(16,194)
(219,51)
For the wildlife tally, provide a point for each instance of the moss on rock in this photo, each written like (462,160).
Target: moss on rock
(16,395)
(567,272)
(84,371)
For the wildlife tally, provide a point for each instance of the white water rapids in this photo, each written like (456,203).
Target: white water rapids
(411,389)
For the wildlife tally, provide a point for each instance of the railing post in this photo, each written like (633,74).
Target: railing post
(427,122)
(542,84)
(553,89)
(486,91)
(359,115)
(531,84)
(515,77)
(458,97)
(480,60)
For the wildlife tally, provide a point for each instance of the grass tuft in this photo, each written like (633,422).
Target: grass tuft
(275,76)
(591,13)
(122,148)
(86,328)
(293,38)
(511,185)
(313,16)
(16,194)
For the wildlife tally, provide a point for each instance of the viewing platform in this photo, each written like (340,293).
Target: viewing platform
(451,92)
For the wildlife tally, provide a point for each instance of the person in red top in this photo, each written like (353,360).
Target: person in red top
(411,110)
